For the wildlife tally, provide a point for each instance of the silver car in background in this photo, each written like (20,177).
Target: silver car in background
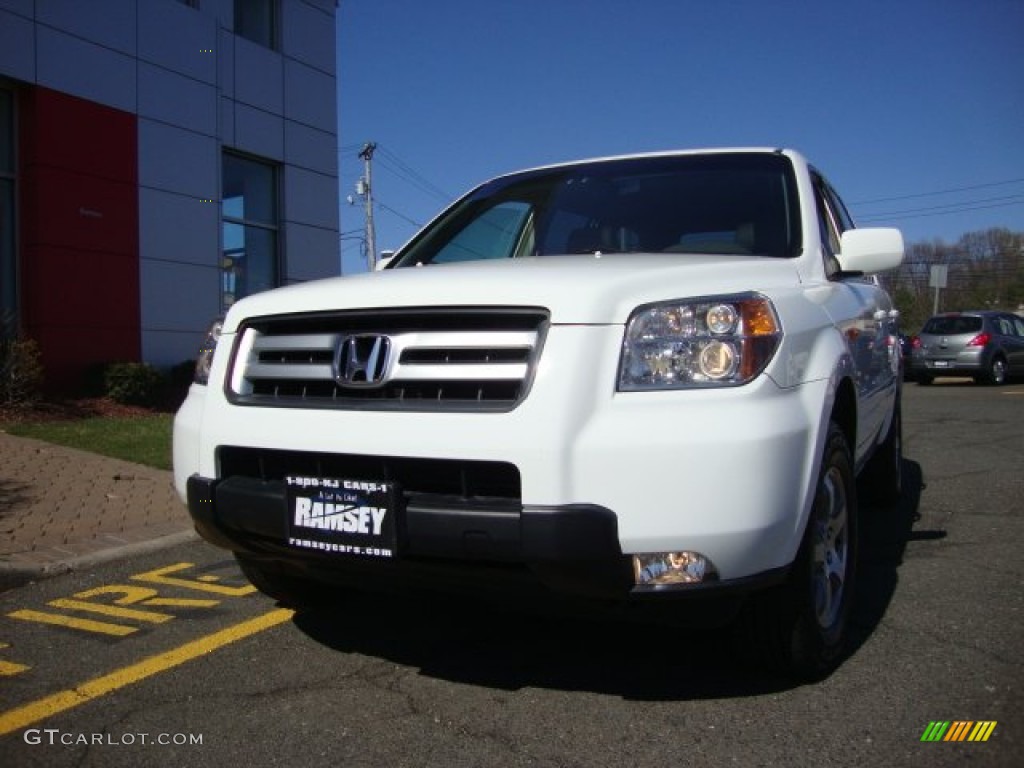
(986,345)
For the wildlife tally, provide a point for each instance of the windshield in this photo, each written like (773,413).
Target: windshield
(729,203)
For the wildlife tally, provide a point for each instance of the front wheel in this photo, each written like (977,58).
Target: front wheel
(801,626)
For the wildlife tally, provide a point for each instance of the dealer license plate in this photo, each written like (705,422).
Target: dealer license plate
(336,515)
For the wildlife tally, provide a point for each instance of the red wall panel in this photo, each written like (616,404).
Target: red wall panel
(79,135)
(79,234)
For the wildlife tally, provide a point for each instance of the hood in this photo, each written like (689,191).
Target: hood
(585,289)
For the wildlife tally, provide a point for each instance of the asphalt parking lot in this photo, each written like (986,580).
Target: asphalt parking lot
(169,658)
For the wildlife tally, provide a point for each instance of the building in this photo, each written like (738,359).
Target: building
(159,159)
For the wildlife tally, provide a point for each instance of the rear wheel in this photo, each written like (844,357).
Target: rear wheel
(800,627)
(924,379)
(996,375)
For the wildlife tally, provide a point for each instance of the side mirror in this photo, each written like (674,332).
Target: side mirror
(870,250)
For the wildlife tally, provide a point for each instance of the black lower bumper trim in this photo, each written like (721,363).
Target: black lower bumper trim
(240,505)
(571,549)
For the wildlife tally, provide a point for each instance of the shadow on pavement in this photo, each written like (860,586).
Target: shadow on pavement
(885,532)
(512,648)
(475,642)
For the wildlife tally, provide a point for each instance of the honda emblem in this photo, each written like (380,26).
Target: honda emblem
(362,360)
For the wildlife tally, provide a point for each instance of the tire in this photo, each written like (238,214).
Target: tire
(924,379)
(800,627)
(882,480)
(280,585)
(996,375)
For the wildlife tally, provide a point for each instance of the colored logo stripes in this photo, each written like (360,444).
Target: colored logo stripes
(958,730)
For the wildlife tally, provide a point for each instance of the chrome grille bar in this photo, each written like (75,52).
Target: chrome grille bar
(488,366)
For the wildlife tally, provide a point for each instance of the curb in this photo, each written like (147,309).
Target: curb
(18,574)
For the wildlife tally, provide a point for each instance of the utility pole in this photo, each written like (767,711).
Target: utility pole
(366,190)
(938,280)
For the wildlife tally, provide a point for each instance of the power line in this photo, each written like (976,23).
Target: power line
(402,169)
(917,213)
(394,165)
(938,192)
(413,182)
(399,214)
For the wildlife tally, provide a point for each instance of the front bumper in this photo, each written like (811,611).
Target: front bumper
(728,473)
(572,550)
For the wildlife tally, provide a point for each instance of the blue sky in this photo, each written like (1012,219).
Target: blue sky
(914,109)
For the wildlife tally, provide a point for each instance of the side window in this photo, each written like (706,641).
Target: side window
(257,20)
(1019,325)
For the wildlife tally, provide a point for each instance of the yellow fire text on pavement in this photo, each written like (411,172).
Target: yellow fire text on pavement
(131,603)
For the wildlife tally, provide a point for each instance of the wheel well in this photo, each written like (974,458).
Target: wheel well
(844,412)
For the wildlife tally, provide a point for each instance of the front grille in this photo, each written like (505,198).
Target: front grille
(451,359)
(444,480)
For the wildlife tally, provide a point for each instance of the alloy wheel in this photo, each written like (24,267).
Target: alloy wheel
(998,371)
(830,551)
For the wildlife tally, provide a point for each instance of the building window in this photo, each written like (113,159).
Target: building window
(8,253)
(256,20)
(249,262)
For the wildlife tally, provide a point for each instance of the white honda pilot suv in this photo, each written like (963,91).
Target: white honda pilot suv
(650,379)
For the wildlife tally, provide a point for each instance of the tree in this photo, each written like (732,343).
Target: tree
(985,271)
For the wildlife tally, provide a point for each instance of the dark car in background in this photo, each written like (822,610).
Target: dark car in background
(986,345)
(906,350)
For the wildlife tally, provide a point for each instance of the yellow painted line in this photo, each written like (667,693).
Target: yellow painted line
(182,602)
(88,625)
(21,717)
(10,668)
(203,583)
(112,610)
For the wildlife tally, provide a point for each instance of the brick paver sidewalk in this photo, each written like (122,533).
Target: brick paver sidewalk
(60,506)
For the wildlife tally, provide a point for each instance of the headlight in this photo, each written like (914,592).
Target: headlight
(205,357)
(706,342)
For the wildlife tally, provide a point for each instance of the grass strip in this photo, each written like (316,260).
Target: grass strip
(143,440)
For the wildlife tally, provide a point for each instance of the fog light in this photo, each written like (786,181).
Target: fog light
(654,568)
